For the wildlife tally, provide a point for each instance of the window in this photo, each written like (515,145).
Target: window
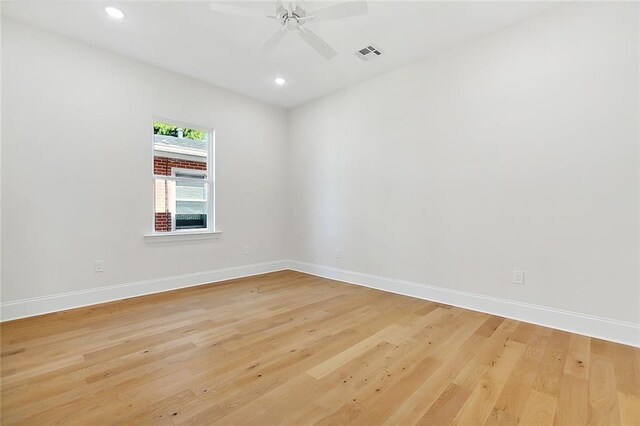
(182,178)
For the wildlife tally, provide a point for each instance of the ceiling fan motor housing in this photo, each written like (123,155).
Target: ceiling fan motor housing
(291,21)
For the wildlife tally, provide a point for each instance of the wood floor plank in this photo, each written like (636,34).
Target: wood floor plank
(553,364)
(603,398)
(446,407)
(290,348)
(515,393)
(577,362)
(573,401)
(539,410)
(629,409)
(486,392)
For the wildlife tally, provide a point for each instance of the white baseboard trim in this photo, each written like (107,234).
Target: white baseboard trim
(602,328)
(76,299)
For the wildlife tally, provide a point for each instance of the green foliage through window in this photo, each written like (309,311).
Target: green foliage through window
(170,130)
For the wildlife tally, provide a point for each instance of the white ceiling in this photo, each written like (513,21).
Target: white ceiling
(188,38)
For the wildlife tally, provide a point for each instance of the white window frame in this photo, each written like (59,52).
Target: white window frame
(198,233)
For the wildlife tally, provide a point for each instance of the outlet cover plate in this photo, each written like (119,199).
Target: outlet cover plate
(518,277)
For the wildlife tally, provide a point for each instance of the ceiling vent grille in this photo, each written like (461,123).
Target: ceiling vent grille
(368,53)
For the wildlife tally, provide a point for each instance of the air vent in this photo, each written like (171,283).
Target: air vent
(368,53)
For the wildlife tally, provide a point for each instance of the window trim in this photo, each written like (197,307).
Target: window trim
(164,237)
(183,234)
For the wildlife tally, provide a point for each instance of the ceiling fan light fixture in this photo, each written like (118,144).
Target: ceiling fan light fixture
(114,12)
(293,18)
(279,81)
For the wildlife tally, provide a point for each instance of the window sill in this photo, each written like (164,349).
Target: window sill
(181,236)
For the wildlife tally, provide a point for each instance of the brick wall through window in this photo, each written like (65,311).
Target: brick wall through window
(162,166)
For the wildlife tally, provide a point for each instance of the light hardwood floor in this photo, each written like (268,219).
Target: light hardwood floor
(289,348)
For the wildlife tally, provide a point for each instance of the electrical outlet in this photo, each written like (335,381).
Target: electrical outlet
(518,277)
(98,266)
(337,253)
(246,250)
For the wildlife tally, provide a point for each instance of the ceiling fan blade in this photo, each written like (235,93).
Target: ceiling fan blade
(272,42)
(232,9)
(318,44)
(339,11)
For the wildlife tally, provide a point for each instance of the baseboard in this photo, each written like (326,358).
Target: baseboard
(601,328)
(592,326)
(76,299)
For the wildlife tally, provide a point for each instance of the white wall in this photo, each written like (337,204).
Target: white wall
(518,151)
(76,168)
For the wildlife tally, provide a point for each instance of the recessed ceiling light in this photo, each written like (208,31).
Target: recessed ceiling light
(280,81)
(115,13)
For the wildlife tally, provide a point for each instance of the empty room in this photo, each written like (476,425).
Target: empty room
(320,212)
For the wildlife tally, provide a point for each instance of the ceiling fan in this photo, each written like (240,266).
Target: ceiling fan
(292,17)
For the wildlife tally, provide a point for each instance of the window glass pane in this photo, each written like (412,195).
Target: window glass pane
(179,149)
(165,129)
(191,221)
(180,205)
(190,191)
(191,207)
(164,200)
